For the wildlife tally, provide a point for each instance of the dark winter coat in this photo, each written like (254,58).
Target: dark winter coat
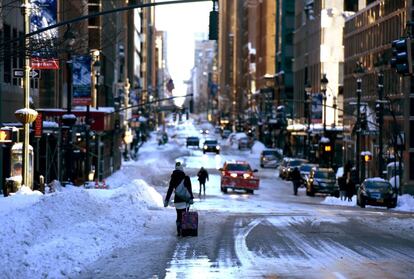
(295,175)
(202,176)
(342,183)
(176,177)
(350,188)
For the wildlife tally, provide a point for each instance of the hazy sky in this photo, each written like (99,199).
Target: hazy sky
(182,22)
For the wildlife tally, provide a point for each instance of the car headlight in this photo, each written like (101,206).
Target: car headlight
(205,147)
(233,174)
(288,169)
(246,175)
(218,147)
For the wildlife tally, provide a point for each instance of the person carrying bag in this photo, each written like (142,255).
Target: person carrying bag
(180,183)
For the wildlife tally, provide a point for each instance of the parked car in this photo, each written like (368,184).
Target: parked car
(270,158)
(238,175)
(225,134)
(193,141)
(322,180)
(204,131)
(288,165)
(377,191)
(211,146)
(304,170)
(244,143)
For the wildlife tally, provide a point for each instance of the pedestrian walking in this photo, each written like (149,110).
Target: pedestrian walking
(181,205)
(350,186)
(202,177)
(296,180)
(342,187)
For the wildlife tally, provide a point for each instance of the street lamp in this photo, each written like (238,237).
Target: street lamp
(97,71)
(26,115)
(324,84)
(308,92)
(69,119)
(334,107)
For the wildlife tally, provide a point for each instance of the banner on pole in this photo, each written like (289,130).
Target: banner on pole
(43,13)
(81,80)
(316,108)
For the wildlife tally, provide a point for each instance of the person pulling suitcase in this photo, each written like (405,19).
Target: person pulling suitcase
(180,183)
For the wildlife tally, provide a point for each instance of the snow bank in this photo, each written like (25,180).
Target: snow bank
(405,203)
(338,201)
(258,147)
(53,235)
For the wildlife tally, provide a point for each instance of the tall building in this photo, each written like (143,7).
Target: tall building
(285,26)
(368,37)
(202,78)
(246,57)
(318,55)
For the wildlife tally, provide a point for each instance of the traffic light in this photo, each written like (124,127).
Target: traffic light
(213,26)
(378,112)
(402,59)
(367,157)
(328,148)
(363,120)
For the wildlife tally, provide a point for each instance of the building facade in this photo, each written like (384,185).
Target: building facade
(368,37)
(115,76)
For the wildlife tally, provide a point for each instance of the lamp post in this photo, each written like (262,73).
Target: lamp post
(97,72)
(308,91)
(335,105)
(380,120)
(69,119)
(324,84)
(358,129)
(26,115)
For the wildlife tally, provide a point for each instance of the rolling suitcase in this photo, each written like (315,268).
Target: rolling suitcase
(189,226)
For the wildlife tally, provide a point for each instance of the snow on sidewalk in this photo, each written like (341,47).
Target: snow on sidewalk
(404,203)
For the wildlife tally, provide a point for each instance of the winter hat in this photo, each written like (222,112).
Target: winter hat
(178,166)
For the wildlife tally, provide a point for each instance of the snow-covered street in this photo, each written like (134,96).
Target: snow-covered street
(125,232)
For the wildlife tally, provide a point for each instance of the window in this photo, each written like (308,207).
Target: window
(7,59)
(412,134)
(411,106)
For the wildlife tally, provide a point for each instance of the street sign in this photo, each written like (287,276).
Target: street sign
(19,73)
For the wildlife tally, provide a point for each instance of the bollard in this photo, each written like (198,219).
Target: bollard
(42,184)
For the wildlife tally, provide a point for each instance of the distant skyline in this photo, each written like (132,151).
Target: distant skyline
(183,24)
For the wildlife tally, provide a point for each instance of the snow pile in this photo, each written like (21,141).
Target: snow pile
(338,201)
(56,234)
(405,203)
(258,147)
(60,233)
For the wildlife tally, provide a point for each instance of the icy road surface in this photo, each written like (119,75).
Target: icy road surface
(271,234)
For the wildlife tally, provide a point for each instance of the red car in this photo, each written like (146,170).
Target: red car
(238,175)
